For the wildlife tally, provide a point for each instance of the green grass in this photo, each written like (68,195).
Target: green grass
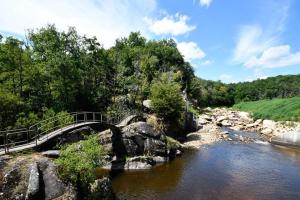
(275,109)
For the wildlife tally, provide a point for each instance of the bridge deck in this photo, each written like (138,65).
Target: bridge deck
(46,137)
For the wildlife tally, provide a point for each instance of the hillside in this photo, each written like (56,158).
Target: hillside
(216,93)
(276,109)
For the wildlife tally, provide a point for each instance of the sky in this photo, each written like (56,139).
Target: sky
(230,40)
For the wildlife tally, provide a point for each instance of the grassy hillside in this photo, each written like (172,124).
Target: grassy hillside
(276,109)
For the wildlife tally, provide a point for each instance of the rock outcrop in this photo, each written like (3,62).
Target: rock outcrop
(133,163)
(33,189)
(139,142)
(34,178)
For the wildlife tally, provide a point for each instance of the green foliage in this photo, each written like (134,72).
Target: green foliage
(53,120)
(273,87)
(64,118)
(275,109)
(26,121)
(166,99)
(172,143)
(78,161)
(210,93)
(10,105)
(193,110)
(62,70)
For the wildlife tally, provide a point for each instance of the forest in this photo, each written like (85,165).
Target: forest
(51,71)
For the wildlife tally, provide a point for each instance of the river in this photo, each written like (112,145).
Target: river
(227,170)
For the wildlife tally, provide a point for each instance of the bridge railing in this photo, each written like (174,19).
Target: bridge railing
(42,130)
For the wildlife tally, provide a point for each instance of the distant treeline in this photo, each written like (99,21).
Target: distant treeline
(215,93)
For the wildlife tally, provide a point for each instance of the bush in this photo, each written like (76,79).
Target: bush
(78,161)
(61,119)
(166,99)
(26,121)
(64,118)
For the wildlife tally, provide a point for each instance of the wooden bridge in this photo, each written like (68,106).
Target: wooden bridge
(26,138)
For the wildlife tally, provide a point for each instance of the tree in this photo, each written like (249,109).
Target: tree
(166,98)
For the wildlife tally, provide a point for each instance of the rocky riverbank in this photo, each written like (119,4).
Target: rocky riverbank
(130,146)
(135,145)
(210,123)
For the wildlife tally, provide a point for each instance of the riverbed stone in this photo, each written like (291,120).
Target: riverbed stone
(267,131)
(269,124)
(226,123)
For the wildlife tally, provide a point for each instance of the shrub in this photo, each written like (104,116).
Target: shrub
(26,121)
(78,161)
(64,118)
(166,99)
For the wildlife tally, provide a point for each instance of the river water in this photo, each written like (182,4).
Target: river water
(227,170)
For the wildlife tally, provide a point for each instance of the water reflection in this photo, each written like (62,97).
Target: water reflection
(223,171)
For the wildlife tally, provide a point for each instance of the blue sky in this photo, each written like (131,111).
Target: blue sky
(230,40)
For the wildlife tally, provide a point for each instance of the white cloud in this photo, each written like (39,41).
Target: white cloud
(205,3)
(273,57)
(251,42)
(170,25)
(261,48)
(106,19)
(257,49)
(190,51)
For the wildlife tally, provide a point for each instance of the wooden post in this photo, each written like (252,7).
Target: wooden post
(93,116)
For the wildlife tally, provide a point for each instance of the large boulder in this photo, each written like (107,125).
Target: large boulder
(132,148)
(130,119)
(136,139)
(33,189)
(141,138)
(155,147)
(53,186)
(106,140)
(141,128)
